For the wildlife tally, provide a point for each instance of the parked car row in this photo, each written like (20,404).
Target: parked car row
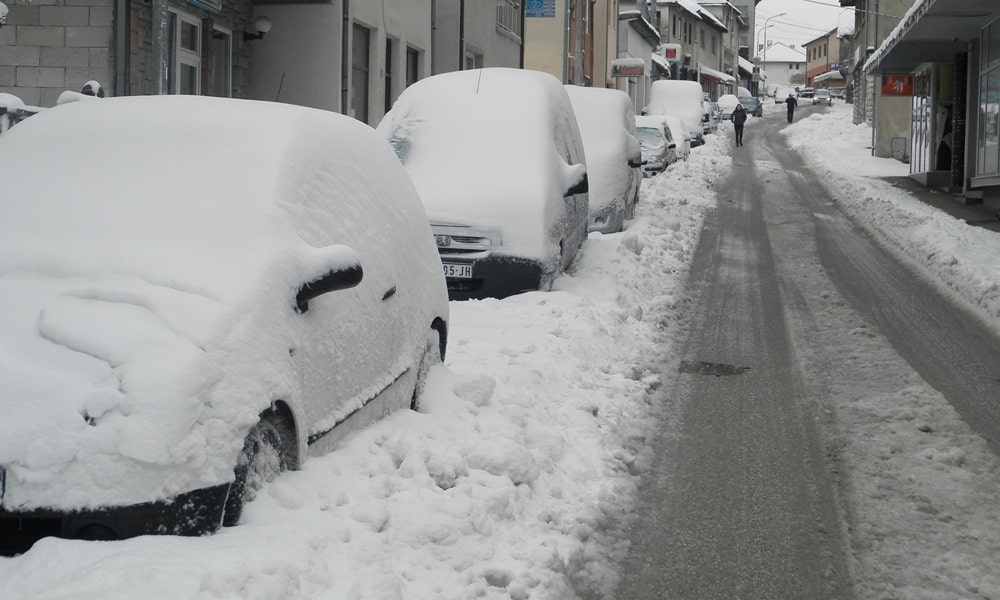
(194,305)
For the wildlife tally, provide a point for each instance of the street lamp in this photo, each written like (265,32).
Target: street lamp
(763,54)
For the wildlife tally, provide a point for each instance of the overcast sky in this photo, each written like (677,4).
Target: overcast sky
(805,20)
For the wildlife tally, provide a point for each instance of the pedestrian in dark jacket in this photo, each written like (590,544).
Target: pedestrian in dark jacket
(739,119)
(791,103)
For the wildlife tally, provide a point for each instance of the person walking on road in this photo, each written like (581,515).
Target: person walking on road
(790,104)
(739,119)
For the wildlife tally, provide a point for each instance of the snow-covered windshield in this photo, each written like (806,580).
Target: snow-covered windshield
(650,137)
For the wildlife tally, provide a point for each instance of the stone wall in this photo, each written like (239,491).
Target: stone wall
(48,46)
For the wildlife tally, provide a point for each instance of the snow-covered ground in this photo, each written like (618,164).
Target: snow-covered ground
(515,481)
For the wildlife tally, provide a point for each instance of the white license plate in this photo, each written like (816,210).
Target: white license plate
(459,270)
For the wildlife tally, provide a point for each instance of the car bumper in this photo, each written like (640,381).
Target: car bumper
(192,513)
(493,277)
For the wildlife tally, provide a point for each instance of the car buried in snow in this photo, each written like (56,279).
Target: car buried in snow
(656,141)
(614,157)
(197,293)
(497,157)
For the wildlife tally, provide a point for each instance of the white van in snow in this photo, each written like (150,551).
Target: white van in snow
(682,99)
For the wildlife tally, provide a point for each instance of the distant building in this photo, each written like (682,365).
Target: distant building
(784,64)
(823,61)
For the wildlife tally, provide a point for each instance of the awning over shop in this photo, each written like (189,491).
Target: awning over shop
(746,67)
(931,31)
(828,76)
(659,60)
(714,75)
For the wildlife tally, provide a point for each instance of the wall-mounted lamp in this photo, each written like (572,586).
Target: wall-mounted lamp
(261,25)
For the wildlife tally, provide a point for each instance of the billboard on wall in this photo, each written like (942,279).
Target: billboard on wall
(897,85)
(540,8)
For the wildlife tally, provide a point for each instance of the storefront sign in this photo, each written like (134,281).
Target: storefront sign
(897,85)
(628,67)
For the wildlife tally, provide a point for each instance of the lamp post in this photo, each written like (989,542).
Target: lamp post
(763,54)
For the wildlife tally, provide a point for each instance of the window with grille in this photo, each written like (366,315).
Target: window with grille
(509,18)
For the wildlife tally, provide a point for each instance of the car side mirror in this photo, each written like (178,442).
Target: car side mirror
(338,279)
(340,269)
(635,163)
(672,145)
(580,187)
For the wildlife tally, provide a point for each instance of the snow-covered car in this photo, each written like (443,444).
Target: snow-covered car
(716,112)
(709,122)
(680,135)
(659,150)
(614,158)
(822,97)
(197,293)
(753,106)
(728,102)
(497,157)
(682,99)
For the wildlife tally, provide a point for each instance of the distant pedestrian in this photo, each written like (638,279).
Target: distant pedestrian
(790,105)
(739,119)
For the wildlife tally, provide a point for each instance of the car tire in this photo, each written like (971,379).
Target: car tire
(432,355)
(264,456)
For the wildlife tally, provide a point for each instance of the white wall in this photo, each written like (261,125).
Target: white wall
(300,60)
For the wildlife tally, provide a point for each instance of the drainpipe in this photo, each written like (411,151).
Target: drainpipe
(121,48)
(345,56)
(566,42)
(461,35)
(523,32)
(161,54)
(875,84)
(434,13)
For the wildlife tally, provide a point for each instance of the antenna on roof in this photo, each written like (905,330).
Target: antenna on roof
(479,81)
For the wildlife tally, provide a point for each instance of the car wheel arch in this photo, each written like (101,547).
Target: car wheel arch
(426,360)
(275,426)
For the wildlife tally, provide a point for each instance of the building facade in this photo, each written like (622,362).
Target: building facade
(638,39)
(470,34)
(700,35)
(574,40)
(348,56)
(945,56)
(822,58)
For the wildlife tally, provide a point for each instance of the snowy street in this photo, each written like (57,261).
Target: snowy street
(527,470)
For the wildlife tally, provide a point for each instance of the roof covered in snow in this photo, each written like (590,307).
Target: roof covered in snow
(781,53)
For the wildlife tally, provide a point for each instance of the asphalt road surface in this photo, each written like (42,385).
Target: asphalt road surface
(744,500)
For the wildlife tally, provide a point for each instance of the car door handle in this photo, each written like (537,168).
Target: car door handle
(389,293)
